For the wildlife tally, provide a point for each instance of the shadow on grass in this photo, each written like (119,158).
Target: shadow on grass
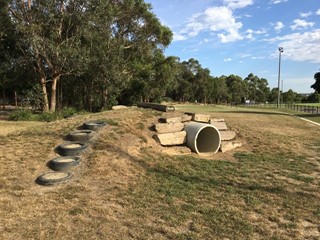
(308,115)
(256,112)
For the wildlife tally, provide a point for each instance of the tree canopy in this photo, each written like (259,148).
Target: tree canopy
(92,54)
(316,85)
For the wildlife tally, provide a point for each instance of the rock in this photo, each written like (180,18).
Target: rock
(201,118)
(177,119)
(229,145)
(186,118)
(118,107)
(227,135)
(170,139)
(177,150)
(169,127)
(216,120)
(222,126)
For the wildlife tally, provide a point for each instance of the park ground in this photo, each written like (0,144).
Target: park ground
(128,188)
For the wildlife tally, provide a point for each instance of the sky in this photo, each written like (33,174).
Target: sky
(243,36)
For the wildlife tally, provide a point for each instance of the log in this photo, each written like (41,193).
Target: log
(159,107)
(169,127)
(171,139)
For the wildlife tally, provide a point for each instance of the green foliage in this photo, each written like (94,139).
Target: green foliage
(24,114)
(68,112)
(257,88)
(316,85)
(101,53)
(21,115)
(33,98)
(291,97)
(314,98)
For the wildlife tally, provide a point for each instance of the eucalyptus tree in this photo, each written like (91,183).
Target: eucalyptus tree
(92,41)
(204,84)
(237,88)
(51,38)
(220,92)
(127,37)
(8,53)
(258,89)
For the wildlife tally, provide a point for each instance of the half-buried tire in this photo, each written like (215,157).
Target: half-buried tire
(83,135)
(52,178)
(64,163)
(71,148)
(94,125)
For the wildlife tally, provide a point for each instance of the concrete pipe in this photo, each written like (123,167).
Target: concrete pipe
(202,138)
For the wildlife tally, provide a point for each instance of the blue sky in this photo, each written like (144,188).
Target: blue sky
(242,36)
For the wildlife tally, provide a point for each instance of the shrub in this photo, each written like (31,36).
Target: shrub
(21,115)
(67,112)
(47,116)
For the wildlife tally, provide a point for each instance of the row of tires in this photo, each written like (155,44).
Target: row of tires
(69,152)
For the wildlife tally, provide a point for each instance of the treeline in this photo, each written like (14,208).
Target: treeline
(92,54)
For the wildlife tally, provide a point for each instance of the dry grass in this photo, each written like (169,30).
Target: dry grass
(126,189)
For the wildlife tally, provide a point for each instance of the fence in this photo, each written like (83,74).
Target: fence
(295,107)
(303,108)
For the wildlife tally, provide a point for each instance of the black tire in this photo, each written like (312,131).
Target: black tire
(80,135)
(52,178)
(71,148)
(64,163)
(94,125)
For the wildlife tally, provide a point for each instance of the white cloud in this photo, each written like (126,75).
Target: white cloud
(227,60)
(318,12)
(305,15)
(278,1)
(257,58)
(249,34)
(178,37)
(262,31)
(218,20)
(278,26)
(234,4)
(300,24)
(300,46)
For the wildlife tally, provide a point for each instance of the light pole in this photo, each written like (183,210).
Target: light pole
(281,92)
(280,51)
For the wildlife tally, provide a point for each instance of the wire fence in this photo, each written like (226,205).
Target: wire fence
(295,107)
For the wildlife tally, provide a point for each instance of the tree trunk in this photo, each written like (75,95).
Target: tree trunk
(53,101)
(104,98)
(45,95)
(15,99)
(59,96)
(3,99)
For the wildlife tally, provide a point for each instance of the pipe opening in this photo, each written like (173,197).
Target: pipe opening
(207,141)
(203,139)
